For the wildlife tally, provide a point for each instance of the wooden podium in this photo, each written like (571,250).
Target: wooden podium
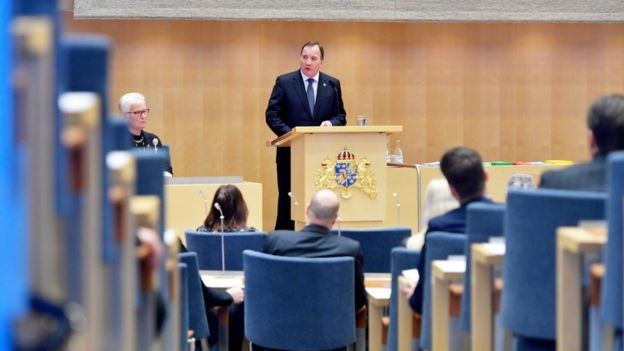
(351,161)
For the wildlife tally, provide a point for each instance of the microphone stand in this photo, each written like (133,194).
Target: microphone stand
(395,196)
(221,217)
(338,223)
(293,198)
(222,242)
(336,104)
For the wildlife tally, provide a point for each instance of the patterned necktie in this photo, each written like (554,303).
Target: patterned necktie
(310,92)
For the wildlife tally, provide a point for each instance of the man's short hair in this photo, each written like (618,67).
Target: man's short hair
(605,119)
(314,43)
(463,169)
(130,99)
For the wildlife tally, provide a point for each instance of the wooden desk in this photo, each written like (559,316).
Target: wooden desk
(404,317)
(378,299)
(485,257)
(444,272)
(572,244)
(222,280)
(378,292)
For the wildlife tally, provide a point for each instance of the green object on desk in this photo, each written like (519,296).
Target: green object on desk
(501,163)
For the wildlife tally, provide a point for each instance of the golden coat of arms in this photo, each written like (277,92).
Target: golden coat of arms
(347,172)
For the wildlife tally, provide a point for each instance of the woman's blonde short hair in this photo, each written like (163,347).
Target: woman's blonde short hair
(438,201)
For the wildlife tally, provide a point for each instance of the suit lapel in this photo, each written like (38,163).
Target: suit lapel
(299,87)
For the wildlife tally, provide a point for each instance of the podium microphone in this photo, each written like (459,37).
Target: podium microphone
(155,143)
(293,198)
(218,207)
(395,196)
(335,95)
(201,193)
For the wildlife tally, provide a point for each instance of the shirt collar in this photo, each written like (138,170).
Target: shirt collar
(315,228)
(305,78)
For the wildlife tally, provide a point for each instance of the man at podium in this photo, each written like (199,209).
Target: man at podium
(305,97)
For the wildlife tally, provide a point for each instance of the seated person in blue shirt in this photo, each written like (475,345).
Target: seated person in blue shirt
(463,169)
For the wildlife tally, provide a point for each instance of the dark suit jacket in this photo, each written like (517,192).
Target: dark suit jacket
(288,105)
(148,142)
(316,241)
(453,221)
(588,176)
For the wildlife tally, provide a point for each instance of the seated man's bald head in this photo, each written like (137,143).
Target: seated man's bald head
(323,208)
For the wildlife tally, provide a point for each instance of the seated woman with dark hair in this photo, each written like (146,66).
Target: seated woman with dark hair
(227,202)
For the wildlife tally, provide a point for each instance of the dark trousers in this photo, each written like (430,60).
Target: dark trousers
(283,221)
(236,327)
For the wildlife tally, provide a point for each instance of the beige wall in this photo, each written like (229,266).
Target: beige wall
(513,91)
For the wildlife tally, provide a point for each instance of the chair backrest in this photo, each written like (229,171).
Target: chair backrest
(198,321)
(184,305)
(611,306)
(208,248)
(531,220)
(377,243)
(483,221)
(402,258)
(440,245)
(294,303)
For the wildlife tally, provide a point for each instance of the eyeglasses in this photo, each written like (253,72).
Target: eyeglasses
(140,112)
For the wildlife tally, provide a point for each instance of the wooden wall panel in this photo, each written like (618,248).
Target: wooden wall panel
(514,91)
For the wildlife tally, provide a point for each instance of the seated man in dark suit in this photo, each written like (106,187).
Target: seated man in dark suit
(463,169)
(605,120)
(315,240)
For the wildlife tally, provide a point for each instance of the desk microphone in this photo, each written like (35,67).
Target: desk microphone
(201,193)
(222,217)
(155,143)
(395,196)
(293,198)
(338,223)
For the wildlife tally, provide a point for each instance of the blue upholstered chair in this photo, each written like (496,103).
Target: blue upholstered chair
(531,220)
(377,243)
(198,321)
(402,258)
(611,299)
(483,221)
(208,248)
(184,305)
(440,245)
(294,303)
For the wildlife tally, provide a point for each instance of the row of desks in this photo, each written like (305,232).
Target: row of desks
(572,244)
